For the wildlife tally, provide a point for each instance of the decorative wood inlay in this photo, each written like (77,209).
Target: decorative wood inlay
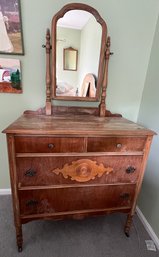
(83,170)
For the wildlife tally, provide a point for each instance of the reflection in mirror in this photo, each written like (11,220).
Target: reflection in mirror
(79,30)
(70,57)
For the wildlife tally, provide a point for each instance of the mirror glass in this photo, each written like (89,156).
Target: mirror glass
(78,46)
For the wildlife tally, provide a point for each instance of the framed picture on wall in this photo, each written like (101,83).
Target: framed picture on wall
(11,36)
(10,76)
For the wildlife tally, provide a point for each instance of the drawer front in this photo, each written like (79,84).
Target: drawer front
(48,144)
(115,144)
(75,199)
(76,170)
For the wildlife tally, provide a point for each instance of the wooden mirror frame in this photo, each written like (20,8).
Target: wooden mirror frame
(60,14)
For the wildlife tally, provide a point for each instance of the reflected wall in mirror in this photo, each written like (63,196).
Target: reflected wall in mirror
(70,58)
(78,78)
(80,30)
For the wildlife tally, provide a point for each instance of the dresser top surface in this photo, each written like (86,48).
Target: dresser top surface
(81,125)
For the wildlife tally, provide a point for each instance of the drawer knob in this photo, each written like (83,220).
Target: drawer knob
(125,196)
(31,202)
(130,170)
(30,173)
(51,146)
(119,145)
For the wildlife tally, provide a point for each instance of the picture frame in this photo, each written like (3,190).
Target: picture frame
(10,76)
(11,33)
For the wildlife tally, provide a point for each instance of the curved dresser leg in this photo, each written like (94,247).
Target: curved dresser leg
(128,225)
(19,236)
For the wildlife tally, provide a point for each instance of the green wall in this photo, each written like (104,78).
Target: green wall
(149,116)
(131,25)
(72,38)
(91,36)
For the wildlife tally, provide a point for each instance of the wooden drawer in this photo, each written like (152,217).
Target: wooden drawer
(34,171)
(115,144)
(75,199)
(40,144)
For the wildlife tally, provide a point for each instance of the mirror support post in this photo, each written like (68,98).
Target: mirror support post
(48,76)
(102,106)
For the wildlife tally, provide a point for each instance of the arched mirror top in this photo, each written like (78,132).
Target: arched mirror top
(78,53)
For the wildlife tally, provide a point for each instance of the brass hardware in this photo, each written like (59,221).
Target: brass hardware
(30,173)
(130,170)
(119,145)
(31,202)
(125,196)
(51,146)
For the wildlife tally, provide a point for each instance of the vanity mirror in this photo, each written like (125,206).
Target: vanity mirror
(78,43)
(75,162)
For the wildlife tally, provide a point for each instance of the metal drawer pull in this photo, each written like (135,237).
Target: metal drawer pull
(30,173)
(125,196)
(130,170)
(119,145)
(51,146)
(31,202)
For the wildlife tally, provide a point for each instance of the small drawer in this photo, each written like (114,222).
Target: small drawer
(115,144)
(77,170)
(39,144)
(75,199)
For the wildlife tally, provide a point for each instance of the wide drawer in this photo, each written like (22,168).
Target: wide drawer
(75,199)
(40,144)
(115,144)
(32,171)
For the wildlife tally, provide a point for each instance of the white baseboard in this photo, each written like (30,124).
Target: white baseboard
(5,191)
(148,227)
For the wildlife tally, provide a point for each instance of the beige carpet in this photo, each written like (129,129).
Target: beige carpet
(93,237)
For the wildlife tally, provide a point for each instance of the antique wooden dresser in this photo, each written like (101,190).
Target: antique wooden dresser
(73,162)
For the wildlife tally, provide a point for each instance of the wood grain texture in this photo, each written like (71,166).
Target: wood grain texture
(73,214)
(102,105)
(75,199)
(83,170)
(48,75)
(65,110)
(76,125)
(44,166)
(116,144)
(14,188)
(30,144)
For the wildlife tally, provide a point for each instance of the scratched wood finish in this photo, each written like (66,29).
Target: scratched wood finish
(34,180)
(74,144)
(44,175)
(49,144)
(79,125)
(115,144)
(66,110)
(75,199)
